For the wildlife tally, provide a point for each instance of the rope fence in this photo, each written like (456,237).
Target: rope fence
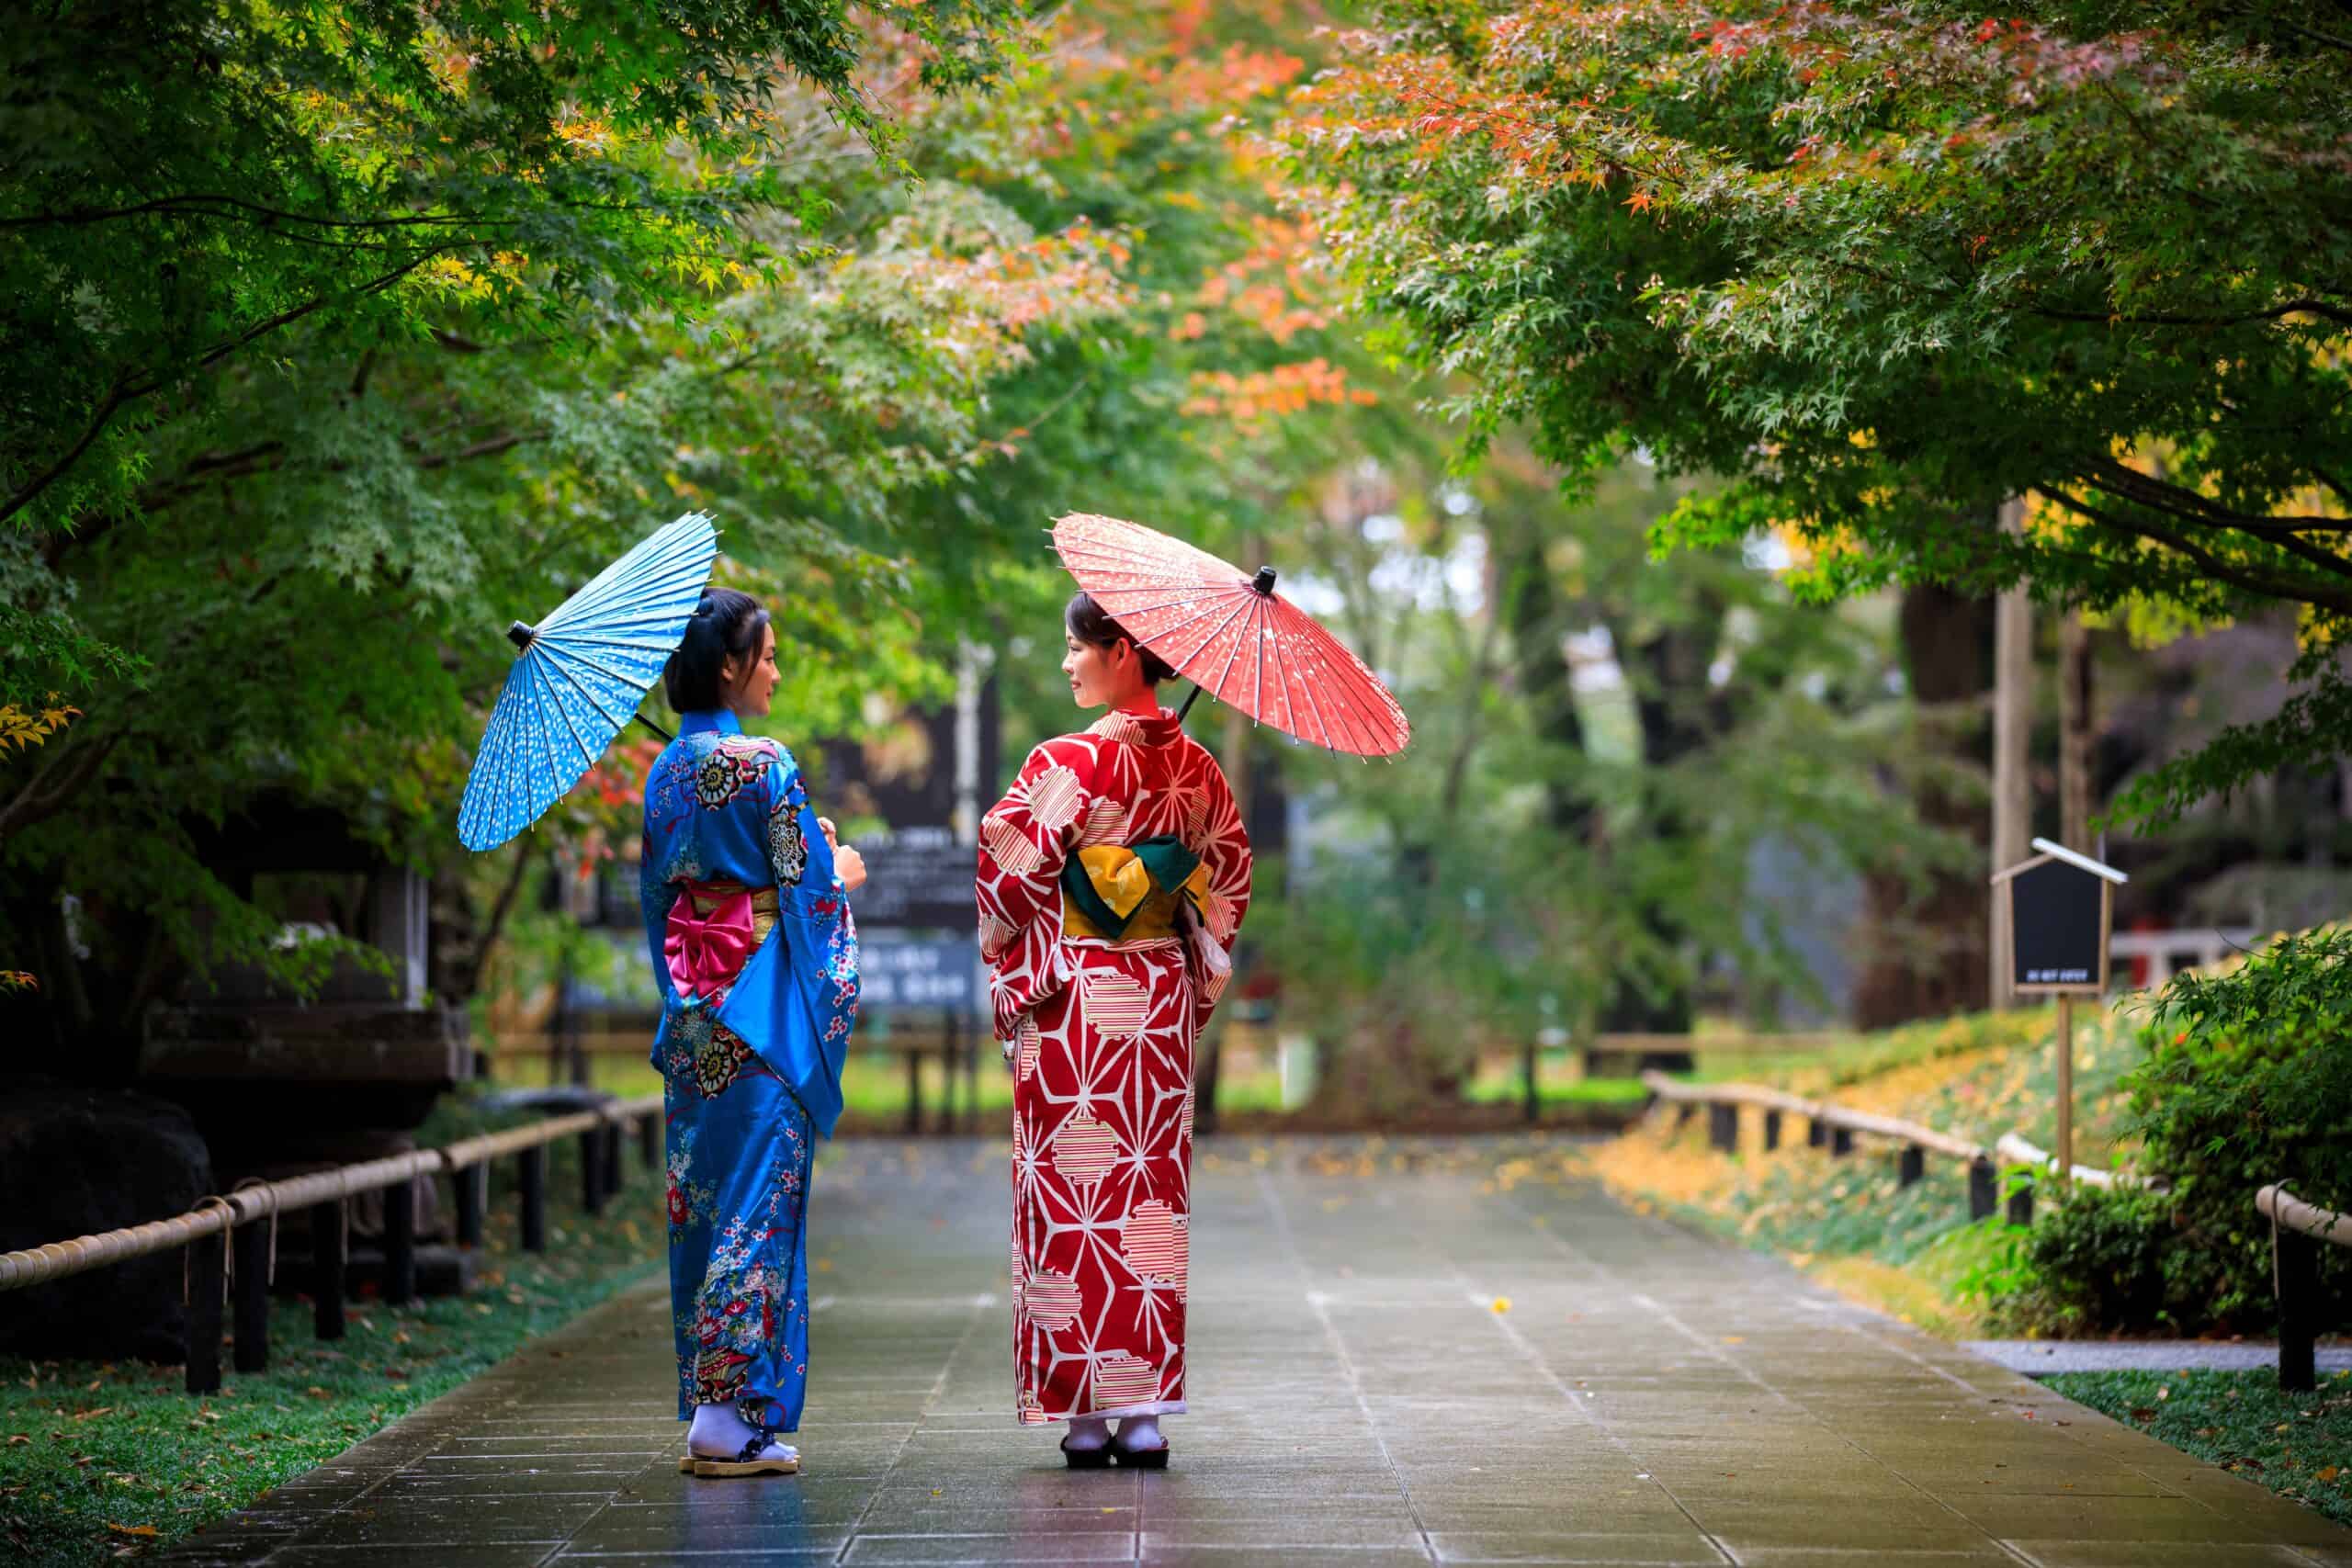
(1834,1127)
(227,1254)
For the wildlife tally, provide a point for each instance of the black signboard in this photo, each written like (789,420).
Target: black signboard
(926,974)
(922,766)
(918,878)
(2058,928)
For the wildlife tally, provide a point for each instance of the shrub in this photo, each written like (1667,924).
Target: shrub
(2247,1081)
(2109,1260)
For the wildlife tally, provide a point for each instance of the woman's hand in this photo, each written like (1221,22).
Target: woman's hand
(848,864)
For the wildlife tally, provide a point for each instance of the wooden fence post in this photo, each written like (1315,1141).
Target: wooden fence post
(648,1139)
(2294,1277)
(533,1170)
(1816,1135)
(327,1263)
(1910,1165)
(591,1172)
(251,1246)
(1983,1188)
(400,1241)
(1841,1140)
(1723,1127)
(1772,1130)
(470,1185)
(207,1257)
(2021,1203)
(609,1139)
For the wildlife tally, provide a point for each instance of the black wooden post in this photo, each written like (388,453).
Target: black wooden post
(326,1269)
(648,1139)
(1983,1188)
(592,1171)
(1772,1130)
(609,1139)
(1841,1140)
(533,1170)
(973,1038)
(1530,1100)
(2022,1204)
(914,1090)
(471,1186)
(400,1241)
(2294,1276)
(1723,1127)
(207,1256)
(1816,1135)
(1910,1165)
(251,1313)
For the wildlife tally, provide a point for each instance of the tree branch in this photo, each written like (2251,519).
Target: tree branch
(48,791)
(2316,307)
(486,447)
(499,911)
(2266,585)
(126,391)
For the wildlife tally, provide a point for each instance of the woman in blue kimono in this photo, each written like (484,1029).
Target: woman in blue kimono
(747,916)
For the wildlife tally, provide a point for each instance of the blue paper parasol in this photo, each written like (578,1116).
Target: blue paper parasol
(582,671)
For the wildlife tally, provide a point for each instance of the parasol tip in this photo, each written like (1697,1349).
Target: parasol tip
(521,633)
(1263,584)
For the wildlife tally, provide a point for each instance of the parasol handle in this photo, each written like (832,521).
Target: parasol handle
(657,730)
(1188,704)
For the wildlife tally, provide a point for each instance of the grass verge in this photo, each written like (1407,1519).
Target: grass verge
(104,1460)
(1911,1252)
(2297,1445)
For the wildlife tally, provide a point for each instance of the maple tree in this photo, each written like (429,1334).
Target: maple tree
(1885,269)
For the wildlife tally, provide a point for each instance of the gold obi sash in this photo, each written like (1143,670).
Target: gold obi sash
(1131,892)
(708,895)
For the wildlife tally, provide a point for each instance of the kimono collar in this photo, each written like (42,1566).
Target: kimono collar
(1159,727)
(720,719)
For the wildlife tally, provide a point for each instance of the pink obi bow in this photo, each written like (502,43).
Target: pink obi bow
(706,952)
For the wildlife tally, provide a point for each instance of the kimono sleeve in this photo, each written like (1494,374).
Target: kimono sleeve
(812,906)
(1224,849)
(1024,839)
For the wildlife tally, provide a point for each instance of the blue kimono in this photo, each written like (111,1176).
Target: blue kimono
(756,957)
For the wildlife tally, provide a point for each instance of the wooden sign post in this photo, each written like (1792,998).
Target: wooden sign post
(2061,909)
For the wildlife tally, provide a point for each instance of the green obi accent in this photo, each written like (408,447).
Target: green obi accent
(1129,893)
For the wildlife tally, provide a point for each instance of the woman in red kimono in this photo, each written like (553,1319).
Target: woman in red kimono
(1111,880)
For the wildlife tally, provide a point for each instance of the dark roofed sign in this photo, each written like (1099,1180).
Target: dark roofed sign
(2061,910)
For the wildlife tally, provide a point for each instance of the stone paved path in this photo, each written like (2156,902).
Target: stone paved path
(1648,1397)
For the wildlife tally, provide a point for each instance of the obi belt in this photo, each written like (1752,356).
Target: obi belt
(715,927)
(1132,892)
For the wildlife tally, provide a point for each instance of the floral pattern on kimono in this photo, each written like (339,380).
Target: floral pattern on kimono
(755,1023)
(1100,1034)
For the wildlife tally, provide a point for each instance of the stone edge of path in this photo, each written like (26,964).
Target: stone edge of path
(2047,1357)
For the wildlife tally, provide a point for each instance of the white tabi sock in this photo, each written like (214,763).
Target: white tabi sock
(719,1432)
(1140,1434)
(1087,1434)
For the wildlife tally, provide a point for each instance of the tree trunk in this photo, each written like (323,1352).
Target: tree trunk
(1667,672)
(2077,733)
(1924,954)
(2012,761)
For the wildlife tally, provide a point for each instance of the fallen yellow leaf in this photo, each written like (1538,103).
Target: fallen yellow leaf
(130,1529)
(1502,1303)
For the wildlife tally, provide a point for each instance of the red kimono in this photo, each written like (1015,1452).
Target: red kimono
(1111,880)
